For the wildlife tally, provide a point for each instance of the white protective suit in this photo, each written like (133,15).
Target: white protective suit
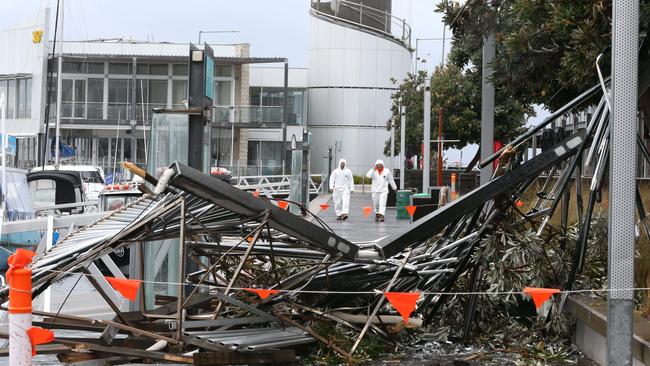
(341,184)
(379,188)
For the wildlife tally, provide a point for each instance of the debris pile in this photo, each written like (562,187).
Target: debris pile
(255,283)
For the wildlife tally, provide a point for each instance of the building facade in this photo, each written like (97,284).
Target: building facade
(356,50)
(110,89)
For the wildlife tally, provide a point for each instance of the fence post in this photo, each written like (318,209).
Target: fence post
(20,309)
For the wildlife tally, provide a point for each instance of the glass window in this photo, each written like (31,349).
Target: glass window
(95,98)
(223,93)
(265,157)
(80,98)
(296,105)
(222,70)
(103,158)
(150,94)
(91,177)
(112,202)
(28,98)
(180,69)
(67,98)
(82,67)
(72,67)
(119,68)
(21,86)
(43,192)
(3,91)
(119,92)
(94,67)
(179,92)
(273,97)
(11,98)
(255,97)
(158,69)
(153,69)
(158,92)
(142,69)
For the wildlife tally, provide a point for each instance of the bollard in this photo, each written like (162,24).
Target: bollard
(454,194)
(20,308)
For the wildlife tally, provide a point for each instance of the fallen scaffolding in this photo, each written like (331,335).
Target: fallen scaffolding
(240,244)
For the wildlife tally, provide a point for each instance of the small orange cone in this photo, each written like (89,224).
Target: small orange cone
(262,293)
(403,302)
(38,335)
(367,211)
(128,288)
(283,204)
(540,295)
(519,203)
(411,210)
(324,207)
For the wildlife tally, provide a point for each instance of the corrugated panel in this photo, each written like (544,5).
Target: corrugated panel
(140,49)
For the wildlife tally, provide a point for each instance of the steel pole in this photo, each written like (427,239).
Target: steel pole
(402,147)
(285,118)
(622,181)
(439,147)
(59,90)
(392,145)
(426,139)
(487,107)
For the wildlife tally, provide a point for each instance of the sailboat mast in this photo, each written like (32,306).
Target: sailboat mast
(57,158)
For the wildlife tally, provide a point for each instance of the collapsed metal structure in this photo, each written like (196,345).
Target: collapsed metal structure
(240,241)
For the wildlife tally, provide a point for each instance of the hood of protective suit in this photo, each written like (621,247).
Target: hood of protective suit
(344,162)
(379,162)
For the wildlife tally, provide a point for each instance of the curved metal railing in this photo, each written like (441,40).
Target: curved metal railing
(376,21)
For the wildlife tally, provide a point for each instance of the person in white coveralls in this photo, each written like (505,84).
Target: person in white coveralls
(381,178)
(341,184)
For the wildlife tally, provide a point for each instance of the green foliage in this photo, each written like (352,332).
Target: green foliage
(514,257)
(546,50)
(458,93)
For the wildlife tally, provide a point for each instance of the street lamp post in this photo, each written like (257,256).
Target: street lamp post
(417,41)
(426,162)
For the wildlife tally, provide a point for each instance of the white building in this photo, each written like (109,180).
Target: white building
(356,49)
(110,87)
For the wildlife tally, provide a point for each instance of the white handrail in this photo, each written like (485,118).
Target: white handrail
(366,11)
(274,184)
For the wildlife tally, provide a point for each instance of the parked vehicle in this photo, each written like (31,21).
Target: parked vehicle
(49,189)
(92,177)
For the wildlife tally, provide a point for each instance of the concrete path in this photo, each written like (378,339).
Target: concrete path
(358,228)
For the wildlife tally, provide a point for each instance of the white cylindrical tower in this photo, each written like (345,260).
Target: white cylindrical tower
(356,49)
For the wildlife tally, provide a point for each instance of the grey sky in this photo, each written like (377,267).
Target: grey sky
(272,27)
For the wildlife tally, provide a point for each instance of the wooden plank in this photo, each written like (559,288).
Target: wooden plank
(126,351)
(41,349)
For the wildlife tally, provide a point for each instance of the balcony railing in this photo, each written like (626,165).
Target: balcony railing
(112,112)
(366,17)
(104,111)
(248,114)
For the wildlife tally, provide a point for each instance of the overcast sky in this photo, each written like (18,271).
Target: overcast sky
(274,28)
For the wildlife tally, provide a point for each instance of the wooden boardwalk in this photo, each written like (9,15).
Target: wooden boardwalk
(358,228)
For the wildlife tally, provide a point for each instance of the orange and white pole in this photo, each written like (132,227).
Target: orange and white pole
(20,311)
(454,194)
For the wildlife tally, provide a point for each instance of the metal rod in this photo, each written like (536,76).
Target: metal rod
(181,273)
(380,302)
